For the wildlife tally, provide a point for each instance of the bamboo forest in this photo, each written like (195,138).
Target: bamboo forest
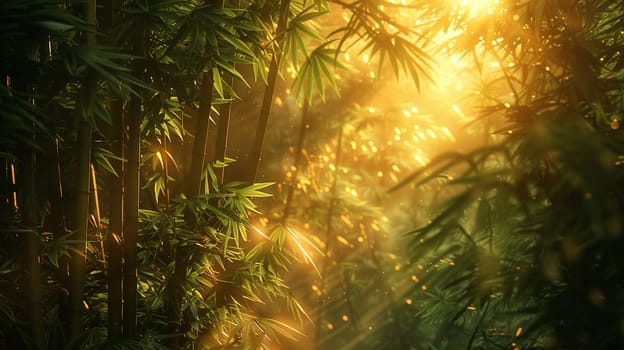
(312,174)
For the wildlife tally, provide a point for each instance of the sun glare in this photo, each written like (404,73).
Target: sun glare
(479,7)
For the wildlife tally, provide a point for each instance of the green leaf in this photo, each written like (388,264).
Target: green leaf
(216,78)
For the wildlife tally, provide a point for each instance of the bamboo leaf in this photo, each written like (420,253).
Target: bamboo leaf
(216,78)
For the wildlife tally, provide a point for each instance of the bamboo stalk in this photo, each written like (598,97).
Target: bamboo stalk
(223,127)
(108,18)
(115,226)
(166,171)
(13,192)
(198,160)
(373,247)
(328,233)
(175,287)
(131,220)
(80,225)
(132,195)
(32,242)
(27,186)
(305,123)
(98,216)
(267,101)
(81,197)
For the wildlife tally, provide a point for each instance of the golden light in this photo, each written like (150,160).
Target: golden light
(458,110)
(342,240)
(394,123)
(479,7)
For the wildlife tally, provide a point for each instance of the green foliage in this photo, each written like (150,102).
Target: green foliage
(525,226)
(315,71)
(530,222)
(46,67)
(216,239)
